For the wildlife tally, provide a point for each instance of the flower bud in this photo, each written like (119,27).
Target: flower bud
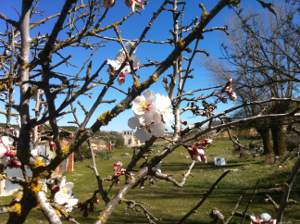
(108,3)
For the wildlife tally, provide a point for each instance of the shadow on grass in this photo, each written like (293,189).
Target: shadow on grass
(169,203)
(137,219)
(208,166)
(224,196)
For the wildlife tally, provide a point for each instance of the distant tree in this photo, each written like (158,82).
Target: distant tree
(118,140)
(112,136)
(263,57)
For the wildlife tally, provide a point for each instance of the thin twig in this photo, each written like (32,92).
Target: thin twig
(205,196)
(168,178)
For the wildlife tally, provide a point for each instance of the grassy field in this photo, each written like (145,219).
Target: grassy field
(170,203)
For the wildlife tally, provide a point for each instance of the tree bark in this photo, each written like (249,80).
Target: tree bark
(28,202)
(279,139)
(23,145)
(107,211)
(266,136)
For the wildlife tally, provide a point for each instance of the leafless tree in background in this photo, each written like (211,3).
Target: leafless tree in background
(263,53)
(31,62)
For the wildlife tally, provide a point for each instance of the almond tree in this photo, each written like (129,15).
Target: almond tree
(31,63)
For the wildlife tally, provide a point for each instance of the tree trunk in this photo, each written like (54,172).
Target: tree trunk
(28,202)
(279,139)
(266,136)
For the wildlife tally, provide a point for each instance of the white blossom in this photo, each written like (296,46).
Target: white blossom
(263,218)
(144,104)
(7,153)
(266,217)
(2,151)
(142,134)
(115,64)
(5,144)
(147,126)
(64,196)
(163,106)
(152,113)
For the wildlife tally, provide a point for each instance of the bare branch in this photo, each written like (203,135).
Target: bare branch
(47,209)
(140,207)
(168,178)
(10,21)
(288,186)
(205,196)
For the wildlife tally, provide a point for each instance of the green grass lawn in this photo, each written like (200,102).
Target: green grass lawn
(170,203)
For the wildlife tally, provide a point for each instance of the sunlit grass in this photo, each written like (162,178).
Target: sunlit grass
(169,203)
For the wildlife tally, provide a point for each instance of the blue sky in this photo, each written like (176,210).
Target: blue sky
(132,29)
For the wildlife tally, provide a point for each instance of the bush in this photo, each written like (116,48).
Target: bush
(83,153)
(115,137)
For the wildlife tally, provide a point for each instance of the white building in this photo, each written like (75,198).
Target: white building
(130,140)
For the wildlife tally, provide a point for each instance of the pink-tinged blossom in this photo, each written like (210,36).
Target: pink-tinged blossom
(11,153)
(55,188)
(197,153)
(6,143)
(208,109)
(134,4)
(52,144)
(7,152)
(229,90)
(121,78)
(232,95)
(205,142)
(264,218)
(14,163)
(184,122)
(118,169)
(114,65)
